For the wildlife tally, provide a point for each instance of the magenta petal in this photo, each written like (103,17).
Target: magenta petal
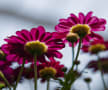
(59,35)
(74,18)
(56,46)
(21,35)
(88,16)
(47,37)
(15,39)
(26,34)
(102,21)
(98,28)
(41,31)
(81,18)
(34,33)
(10,57)
(57,54)
(20,61)
(61,29)
(65,25)
(106,44)
(5,48)
(70,20)
(2,63)
(62,20)
(85,48)
(93,20)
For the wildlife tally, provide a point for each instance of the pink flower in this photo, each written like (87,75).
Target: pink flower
(95,65)
(25,43)
(52,69)
(45,70)
(73,24)
(95,46)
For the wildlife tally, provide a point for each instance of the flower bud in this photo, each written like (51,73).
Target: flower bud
(72,37)
(77,62)
(64,69)
(87,80)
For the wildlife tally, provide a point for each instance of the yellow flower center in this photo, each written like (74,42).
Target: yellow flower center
(97,48)
(47,72)
(103,64)
(81,29)
(35,47)
(72,37)
(2,55)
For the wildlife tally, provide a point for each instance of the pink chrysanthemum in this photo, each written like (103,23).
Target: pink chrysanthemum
(52,69)
(25,43)
(95,46)
(48,69)
(83,25)
(95,65)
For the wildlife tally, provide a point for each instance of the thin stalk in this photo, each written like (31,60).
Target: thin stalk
(76,58)
(35,72)
(6,81)
(79,46)
(72,52)
(19,75)
(88,85)
(48,83)
(102,76)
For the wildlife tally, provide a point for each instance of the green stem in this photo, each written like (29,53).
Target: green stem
(67,87)
(72,53)
(79,46)
(20,73)
(102,76)
(6,81)
(76,58)
(35,72)
(48,83)
(88,85)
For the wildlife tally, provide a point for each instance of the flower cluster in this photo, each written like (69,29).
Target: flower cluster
(40,49)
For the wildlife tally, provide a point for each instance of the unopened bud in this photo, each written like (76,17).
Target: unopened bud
(64,69)
(72,37)
(77,62)
(87,80)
